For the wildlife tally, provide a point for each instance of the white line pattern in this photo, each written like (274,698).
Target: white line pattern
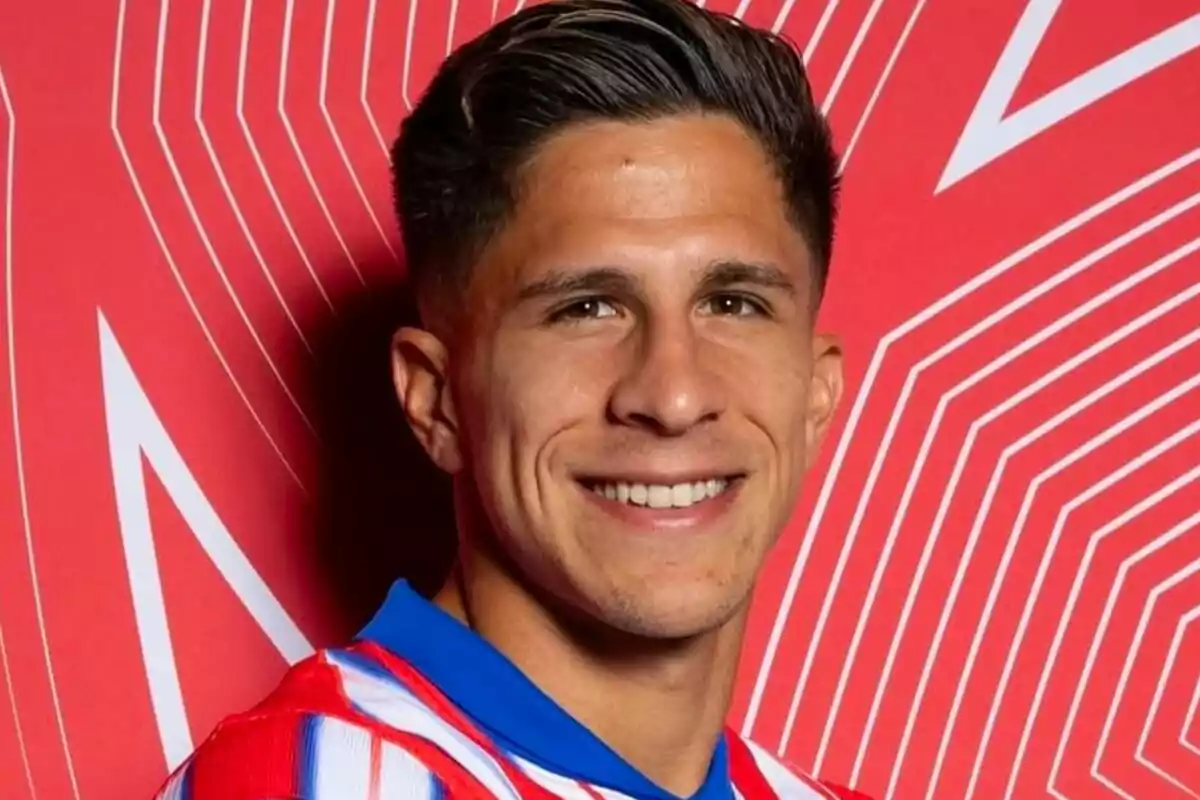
(1129,563)
(10,151)
(889,339)
(159,58)
(20,461)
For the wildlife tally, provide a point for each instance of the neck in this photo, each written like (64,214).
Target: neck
(660,705)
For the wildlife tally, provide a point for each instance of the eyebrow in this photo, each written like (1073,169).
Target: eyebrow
(597,280)
(725,273)
(614,280)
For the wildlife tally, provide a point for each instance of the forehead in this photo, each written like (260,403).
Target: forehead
(674,192)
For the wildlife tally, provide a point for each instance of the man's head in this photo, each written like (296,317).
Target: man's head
(619,216)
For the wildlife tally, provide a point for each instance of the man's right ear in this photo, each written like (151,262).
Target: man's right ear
(420,364)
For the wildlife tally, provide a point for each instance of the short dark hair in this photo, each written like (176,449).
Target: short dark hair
(457,159)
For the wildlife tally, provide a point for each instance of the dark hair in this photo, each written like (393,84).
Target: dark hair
(457,159)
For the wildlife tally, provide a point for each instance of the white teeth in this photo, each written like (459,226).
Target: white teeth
(660,496)
(679,495)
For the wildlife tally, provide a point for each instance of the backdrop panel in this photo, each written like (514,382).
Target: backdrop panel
(990,585)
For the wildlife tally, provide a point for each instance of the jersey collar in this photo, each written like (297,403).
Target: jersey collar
(497,696)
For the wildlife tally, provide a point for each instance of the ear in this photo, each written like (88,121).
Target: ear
(420,366)
(824,392)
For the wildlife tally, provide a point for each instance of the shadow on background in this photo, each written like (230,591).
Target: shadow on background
(384,511)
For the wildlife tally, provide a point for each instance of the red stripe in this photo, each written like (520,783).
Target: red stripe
(425,691)
(744,771)
(749,765)
(376,767)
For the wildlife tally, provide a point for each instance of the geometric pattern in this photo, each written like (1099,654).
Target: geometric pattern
(991,584)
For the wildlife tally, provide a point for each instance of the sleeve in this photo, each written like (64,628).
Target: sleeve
(299,757)
(245,758)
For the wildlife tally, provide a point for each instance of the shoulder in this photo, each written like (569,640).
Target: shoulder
(305,741)
(784,781)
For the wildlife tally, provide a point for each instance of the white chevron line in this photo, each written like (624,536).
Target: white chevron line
(243,57)
(281,108)
(368,44)
(409,35)
(160,49)
(877,359)
(989,134)
(1114,592)
(860,36)
(1189,719)
(166,251)
(10,163)
(987,323)
(181,185)
(976,428)
(1139,754)
(137,438)
(1181,630)
(962,387)
(1007,455)
(198,115)
(323,102)
(883,77)
(451,24)
(1094,539)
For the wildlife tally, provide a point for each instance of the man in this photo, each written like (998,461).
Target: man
(618,216)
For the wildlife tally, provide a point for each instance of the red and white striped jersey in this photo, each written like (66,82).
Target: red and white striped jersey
(400,715)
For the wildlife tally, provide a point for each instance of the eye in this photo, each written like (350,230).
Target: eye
(584,309)
(734,305)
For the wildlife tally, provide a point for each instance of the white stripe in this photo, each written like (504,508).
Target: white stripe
(160,51)
(403,777)
(561,786)
(973,285)
(341,760)
(18,447)
(366,75)
(786,784)
(11,150)
(248,135)
(390,704)
(333,131)
(281,108)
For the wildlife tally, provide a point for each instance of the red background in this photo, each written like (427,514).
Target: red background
(990,584)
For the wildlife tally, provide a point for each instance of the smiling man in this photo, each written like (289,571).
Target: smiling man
(618,216)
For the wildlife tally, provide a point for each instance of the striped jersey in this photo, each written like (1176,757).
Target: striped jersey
(420,707)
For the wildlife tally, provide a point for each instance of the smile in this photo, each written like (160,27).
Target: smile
(660,496)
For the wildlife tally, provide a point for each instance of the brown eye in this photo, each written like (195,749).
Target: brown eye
(584,309)
(734,305)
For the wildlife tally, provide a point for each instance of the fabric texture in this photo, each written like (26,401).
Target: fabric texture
(419,707)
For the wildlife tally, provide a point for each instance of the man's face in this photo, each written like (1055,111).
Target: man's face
(639,391)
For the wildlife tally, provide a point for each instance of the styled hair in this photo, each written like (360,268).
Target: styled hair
(458,158)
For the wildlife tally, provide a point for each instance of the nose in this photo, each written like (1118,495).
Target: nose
(666,388)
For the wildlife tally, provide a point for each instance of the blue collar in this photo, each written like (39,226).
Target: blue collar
(497,696)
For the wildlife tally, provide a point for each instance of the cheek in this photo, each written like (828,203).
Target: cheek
(528,396)
(770,380)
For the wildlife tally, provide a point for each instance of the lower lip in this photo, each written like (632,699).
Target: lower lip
(695,515)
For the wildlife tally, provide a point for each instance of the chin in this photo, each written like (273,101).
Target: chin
(670,612)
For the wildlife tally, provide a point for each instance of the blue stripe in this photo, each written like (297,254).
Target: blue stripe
(437,789)
(517,715)
(306,756)
(185,786)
